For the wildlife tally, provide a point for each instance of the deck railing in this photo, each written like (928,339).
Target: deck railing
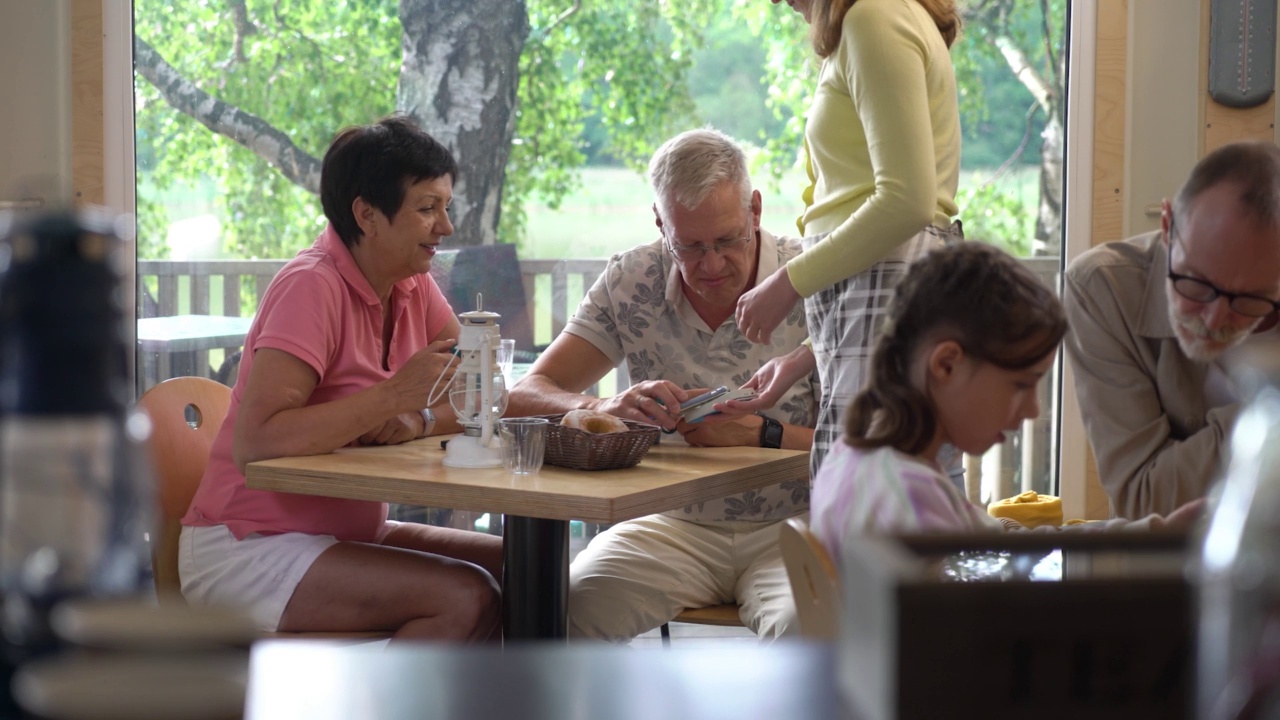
(219,287)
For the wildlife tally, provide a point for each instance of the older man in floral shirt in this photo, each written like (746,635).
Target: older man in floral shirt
(667,309)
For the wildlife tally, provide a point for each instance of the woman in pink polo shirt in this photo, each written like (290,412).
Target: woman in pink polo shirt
(347,343)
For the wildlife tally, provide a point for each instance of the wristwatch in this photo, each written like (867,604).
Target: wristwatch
(428,421)
(770,433)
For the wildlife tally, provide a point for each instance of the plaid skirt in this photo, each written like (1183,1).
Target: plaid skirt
(844,320)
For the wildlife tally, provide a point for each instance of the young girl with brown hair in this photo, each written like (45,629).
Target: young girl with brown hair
(970,333)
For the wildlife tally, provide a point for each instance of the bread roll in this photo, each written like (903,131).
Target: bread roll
(593,421)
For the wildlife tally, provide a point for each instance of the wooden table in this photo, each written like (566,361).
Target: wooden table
(178,338)
(298,679)
(538,508)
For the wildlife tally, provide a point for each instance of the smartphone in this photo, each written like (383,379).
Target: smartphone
(695,409)
(709,396)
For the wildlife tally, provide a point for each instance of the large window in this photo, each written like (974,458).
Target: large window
(552,107)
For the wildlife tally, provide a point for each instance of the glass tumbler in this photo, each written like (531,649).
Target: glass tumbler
(524,442)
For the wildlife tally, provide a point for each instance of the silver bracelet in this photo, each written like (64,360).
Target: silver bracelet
(428,421)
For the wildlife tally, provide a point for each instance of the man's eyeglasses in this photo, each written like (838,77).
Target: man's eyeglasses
(694,253)
(1197,290)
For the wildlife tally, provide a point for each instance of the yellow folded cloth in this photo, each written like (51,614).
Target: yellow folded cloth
(1030,509)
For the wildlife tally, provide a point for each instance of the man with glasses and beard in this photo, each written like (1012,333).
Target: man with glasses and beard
(1155,320)
(667,309)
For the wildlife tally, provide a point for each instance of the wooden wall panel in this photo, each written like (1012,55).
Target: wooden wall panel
(1110,97)
(1223,125)
(1109,127)
(86,101)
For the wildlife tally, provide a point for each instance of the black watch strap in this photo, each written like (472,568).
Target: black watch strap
(770,433)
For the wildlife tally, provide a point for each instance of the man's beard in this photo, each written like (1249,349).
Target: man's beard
(1199,342)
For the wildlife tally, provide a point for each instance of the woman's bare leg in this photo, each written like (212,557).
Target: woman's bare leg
(474,547)
(416,595)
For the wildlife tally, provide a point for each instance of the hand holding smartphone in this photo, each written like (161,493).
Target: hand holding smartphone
(695,409)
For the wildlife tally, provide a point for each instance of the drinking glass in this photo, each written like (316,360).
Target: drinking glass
(506,356)
(524,441)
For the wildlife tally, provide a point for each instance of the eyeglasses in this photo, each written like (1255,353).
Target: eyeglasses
(1197,290)
(693,253)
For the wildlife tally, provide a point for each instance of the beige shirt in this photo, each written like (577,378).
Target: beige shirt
(637,311)
(1158,439)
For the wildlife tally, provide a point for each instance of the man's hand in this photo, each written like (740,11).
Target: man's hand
(728,432)
(1182,518)
(762,309)
(653,401)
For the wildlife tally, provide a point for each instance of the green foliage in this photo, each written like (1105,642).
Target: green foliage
(725,82)
(314,67)
(599,80)
(984,84)
(790,73)
(623,64)
(992,101)
(997,215)
(309,69)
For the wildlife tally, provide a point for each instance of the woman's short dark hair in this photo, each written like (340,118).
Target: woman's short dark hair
(378,162)
(970,292)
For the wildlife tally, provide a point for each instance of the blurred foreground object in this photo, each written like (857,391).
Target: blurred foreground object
(1239,665)
(75,494)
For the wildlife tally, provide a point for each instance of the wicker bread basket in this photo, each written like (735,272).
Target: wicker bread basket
(581,450)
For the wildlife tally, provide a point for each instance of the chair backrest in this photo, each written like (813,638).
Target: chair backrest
(493,270)
(179,453)
(813,580)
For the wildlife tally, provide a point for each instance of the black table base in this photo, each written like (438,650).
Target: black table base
(535,578)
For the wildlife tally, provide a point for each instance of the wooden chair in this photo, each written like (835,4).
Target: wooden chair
(179,452)
(186,414)
(814,581)
(721,615)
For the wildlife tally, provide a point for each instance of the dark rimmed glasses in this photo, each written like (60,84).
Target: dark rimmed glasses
(1197,290)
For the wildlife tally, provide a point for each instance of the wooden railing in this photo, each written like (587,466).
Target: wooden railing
(190,287)
(197,276)
(195,279)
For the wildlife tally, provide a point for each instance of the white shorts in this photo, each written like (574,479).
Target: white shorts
(257,574)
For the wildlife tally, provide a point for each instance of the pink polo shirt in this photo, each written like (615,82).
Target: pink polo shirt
(322,310)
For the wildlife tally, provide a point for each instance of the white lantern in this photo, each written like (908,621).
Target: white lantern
(478,392)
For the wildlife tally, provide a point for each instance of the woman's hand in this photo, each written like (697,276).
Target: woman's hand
(653,401)
(762,309)
(431,367)
(399,429)
(772,381)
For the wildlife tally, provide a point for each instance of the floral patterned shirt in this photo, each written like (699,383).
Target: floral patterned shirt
(636,311)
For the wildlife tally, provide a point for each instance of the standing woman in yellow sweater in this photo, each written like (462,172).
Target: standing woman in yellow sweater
(883,143)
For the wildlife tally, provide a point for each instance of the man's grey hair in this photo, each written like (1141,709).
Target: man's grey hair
(1253,167)
(692,164)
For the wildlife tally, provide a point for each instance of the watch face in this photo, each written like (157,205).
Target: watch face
(771,433)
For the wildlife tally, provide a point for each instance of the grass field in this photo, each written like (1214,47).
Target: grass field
(613,211)
(610,212)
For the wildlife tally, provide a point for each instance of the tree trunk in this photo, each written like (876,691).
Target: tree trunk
(458,79)
(1049,218)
